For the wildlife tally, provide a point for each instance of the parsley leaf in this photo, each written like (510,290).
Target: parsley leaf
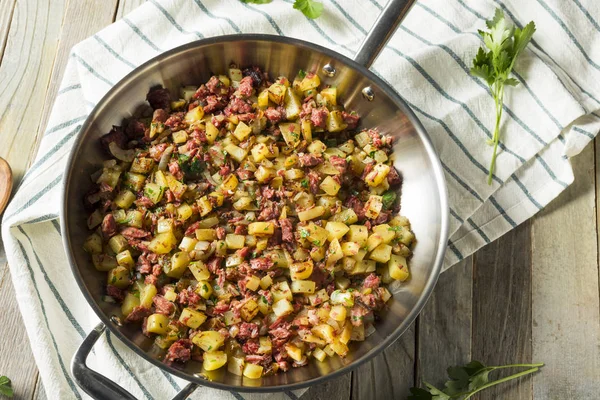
(388,199)
(310,8)
(6,387)
(466,380)
(504,43)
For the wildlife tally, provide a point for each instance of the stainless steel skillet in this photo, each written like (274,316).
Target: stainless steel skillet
(424,198)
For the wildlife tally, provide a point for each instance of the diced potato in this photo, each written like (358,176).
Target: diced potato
(204,206)
(141,165)
(291,133)
(211,132)
(335,122)
(208,222)
(265,345)
(348,264)
(253,371)
(175,186)
(199,270)
(324,331)
(204,289)
(303,287)
(310,81)
(294,352)
(336,230)
(135,218)
(235,365)
(184,212)
(338,313)
(347,216)
(249,310)
(244,203)
(342,297)
(330,96)
(364,267)
(213,360)
(377,175)
(318,298)
(237,153)
(311,213)
(234,241)
(119,277)
(293,174)
(206,234)
(358,234)
(164,225)
(398,268)
(263,99)
(180,137)
(134,181)
(301,270)
(407,237)
(264,174)
(373,206)
(330,186)
(194,115)
(386,232)
(93,244)
(381,253)
(261,228)
(315,234)
(260,151)
(281,290)
(316,147)
(276,93)
(192,318)
(306,130)
(154,192)
(130,302)
(188,244)
(346,334)
(340,348)
(157,323)
(208,340)
(235,74)
(125,259)
(265,282)
(252,283)
(263,306)
(334,253)
(292,104)
(146,295)
(282,307)
(104,262)
(179,264)
(350,249)
(231,319)
(373,241)
(124,199)
(319,354)
(234,260)
(242,131)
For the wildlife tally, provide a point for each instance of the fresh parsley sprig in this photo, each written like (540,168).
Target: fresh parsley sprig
(504,42)
(311,8)
(469,379)
(6,387)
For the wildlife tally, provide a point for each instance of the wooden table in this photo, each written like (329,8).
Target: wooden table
(532,295)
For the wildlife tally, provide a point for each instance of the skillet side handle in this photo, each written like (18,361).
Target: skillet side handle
(382,30)
(98,386)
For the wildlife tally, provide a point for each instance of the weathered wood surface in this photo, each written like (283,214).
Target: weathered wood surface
(532,295)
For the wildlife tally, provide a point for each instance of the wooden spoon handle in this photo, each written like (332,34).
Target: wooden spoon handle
(6,184)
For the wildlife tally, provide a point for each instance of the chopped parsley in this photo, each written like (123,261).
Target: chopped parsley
(395,228)
(304,183)
(388,199)
(301,74)
(304,233)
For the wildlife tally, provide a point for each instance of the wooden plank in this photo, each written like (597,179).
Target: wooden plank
(336,389)
(39,393)
(502,308)
(24,75)
(390,375)
(14,344)
(566,322)
(445,325)
(126,6)
(82,19)
(6,12)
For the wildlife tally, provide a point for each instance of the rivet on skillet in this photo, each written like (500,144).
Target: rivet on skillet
(116,320)
(329,70)
(368,93)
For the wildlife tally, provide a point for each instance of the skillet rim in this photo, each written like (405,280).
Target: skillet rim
(385,87)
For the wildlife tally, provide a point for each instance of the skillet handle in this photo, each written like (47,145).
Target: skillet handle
(385,26)
(98,386)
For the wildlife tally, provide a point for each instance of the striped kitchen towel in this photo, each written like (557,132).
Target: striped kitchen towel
(551,116)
